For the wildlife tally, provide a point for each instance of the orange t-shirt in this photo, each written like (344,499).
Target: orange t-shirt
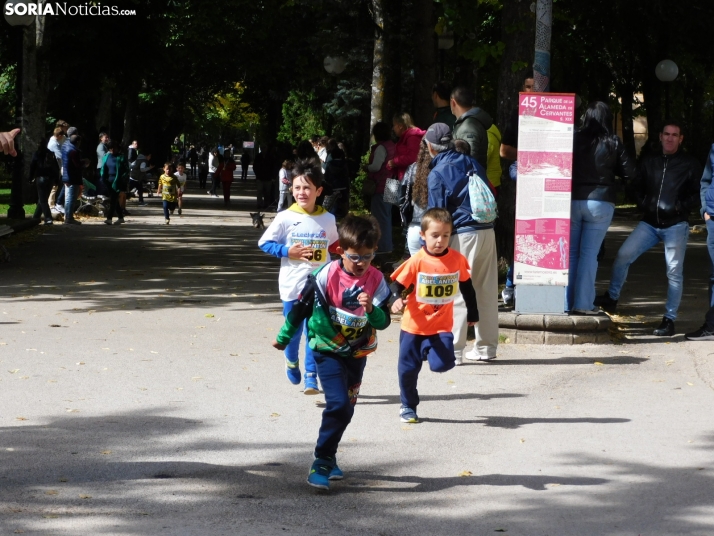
(430,308)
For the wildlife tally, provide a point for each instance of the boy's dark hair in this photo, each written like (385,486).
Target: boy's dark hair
(463,96)
(311,169)
(461,146)
(102,134)
(442,89)
(435,214)
(358,232)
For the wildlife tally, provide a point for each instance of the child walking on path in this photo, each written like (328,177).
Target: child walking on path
(284,182)
(300,237)
(168,188)
(438,275)
(182,177)
(345,302)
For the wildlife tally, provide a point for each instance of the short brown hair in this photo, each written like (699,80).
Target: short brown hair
(359,232)
(310,168)
(435,214)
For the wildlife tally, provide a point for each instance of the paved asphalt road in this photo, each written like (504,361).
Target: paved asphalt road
(140,396)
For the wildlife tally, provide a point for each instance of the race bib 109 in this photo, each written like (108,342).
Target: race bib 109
(437,289)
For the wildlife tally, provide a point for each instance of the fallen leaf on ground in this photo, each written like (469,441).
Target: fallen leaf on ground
(13,371)
(21,418)
(209,315)
(83,496)
(465,473)
(275,414)
(689,383)
(598,363)
(154,352)
(106,452)
(51,492)
(522,440)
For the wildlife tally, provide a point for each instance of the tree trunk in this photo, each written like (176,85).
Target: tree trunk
(424,62)
(103,122)
(378,63)
(130,115)
(518,33)
(35,88)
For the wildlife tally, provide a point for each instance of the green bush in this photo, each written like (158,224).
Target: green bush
(358,203)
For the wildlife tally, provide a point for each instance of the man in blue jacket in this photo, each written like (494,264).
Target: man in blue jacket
(448,184)
(706,192)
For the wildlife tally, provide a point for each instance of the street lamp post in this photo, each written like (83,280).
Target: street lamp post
(16,210)
(666,71)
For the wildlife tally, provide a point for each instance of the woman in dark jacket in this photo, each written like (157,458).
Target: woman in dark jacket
(45,171)
(598,157)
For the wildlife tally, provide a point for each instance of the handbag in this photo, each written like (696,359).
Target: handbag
(369,187)
(391,191)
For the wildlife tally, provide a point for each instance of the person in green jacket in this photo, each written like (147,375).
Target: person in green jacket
(471,123)
(114,173)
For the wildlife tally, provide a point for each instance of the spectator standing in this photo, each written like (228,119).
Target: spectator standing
(133,152)
(102,150)
(244,163)
(262,168)
(706,332)
(45,171)
(192,158)
(182,178)
(229,166)
(55,146)
(448,184)
(285,180)
(598,156)
(416,180)
(666,190)
(377,171)
(71,176)
(213,175)
(407,148)
(440,96)
(114,173)
(471,123)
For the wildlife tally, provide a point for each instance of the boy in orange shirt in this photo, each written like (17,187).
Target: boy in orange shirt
(438,274)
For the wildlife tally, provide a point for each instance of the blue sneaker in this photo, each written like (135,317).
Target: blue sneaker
(319,476)
(292,370)
(311,387)
(408,415)
(336,473)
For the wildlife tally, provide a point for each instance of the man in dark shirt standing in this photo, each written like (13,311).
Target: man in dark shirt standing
(666,190)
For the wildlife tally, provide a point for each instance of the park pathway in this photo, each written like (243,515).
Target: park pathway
(140,395)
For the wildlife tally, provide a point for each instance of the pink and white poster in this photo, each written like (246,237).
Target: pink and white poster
(545,164)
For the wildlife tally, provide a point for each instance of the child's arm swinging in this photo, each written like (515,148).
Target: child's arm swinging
(297,315)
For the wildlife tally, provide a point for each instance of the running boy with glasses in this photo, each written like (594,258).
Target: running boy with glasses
(438,275)
(345,302)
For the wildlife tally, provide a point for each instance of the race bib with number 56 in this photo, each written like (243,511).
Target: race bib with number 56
(437,289)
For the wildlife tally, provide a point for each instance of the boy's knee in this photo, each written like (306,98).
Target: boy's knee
(442,366)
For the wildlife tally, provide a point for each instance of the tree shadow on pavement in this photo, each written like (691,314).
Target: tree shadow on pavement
(516,422)
(140,473)
(394,399)
(615,360)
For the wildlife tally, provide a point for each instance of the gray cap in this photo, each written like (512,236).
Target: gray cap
(71,131)
(438,134)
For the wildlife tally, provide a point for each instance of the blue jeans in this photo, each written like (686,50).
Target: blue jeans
(437,349)
(509,276)
(589,221)
(168,207)
(70,196)
(341,379)
(710,246)
(293,348)
(383,213)
(643,238)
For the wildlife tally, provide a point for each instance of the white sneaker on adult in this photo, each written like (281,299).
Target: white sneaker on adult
(472,355)
(458,357)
